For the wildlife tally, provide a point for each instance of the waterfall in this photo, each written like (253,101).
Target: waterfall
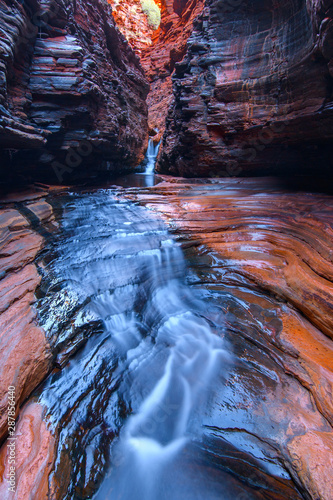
(157,345)
(151,156)
(142,409)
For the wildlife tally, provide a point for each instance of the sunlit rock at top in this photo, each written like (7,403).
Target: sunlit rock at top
(137,20)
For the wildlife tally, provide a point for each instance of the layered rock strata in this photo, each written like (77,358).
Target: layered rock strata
(34,446)
(73,92)
(254,92)
(269,252)
(159,60)
(25,351)
(160,49)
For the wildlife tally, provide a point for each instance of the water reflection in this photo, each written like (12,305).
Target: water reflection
(140,179)
(156,347)
(130,406)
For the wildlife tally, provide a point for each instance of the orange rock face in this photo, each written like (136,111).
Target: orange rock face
(169,47)
(270,251)
(158,49)
(312,455)
(133,23)
(34,447)
(24,351)
(281,241)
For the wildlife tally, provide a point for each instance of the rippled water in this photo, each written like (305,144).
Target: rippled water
(130,407)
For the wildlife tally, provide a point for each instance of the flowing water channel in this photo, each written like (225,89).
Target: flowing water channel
(141,394)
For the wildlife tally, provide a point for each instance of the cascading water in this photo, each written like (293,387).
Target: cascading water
(190,358)
(130,273)
(132,407)
(147,178)
(151,156)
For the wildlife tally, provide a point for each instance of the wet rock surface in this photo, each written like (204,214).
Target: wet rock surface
(25,352)
(73,92)
(114,298)
(233,240)
(34,448)
(129,274)
(242,103)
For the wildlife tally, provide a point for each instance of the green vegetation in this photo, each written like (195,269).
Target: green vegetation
(152,12)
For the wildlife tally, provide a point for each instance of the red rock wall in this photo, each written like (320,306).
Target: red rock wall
(34,457)
(69,80)
(26,356)
(169,47)
(158,49)
(133,23)
(254,92)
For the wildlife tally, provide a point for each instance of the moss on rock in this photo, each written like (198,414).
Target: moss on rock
(152,12)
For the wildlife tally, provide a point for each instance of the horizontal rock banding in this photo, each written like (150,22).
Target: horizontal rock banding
(270,252)
(73,97)
(243,104)
(25,352)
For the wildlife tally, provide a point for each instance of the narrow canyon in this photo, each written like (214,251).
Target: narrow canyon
(166,264)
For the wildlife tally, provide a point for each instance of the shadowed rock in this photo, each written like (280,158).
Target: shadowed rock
(253,94)
(72,99)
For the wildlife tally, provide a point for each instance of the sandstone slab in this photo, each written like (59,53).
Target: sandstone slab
(269,252)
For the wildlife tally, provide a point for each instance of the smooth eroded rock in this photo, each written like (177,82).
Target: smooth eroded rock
(34,456)
(24,350)
(268,251)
